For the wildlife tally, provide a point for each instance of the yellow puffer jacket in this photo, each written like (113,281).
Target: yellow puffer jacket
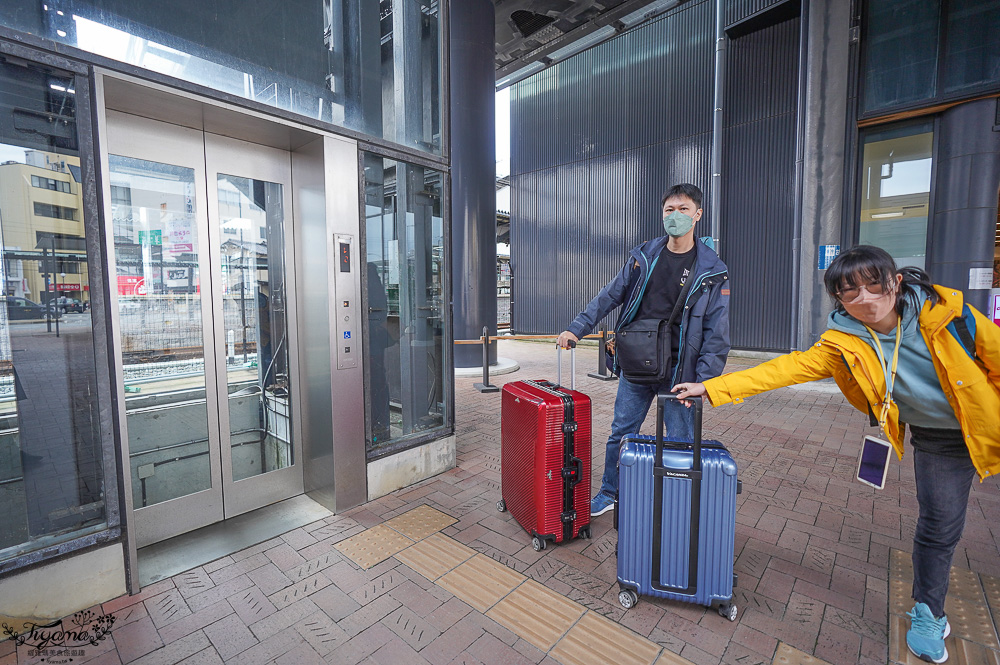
(972,390)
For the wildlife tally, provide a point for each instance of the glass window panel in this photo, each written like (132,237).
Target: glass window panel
(895,192)
(901,50)
(157,267)
(972,53)
(51,464)
(372,66)
(251,218)
(405,250)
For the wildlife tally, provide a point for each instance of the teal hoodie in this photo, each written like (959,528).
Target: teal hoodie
(917,390)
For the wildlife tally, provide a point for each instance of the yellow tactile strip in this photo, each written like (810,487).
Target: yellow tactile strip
(373,546)
(435,555)
(789,655)
(973,639)
(536,613)
(420,522)
(569,632)
(595,640)
(481,582)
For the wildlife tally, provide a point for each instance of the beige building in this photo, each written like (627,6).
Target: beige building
(42,205)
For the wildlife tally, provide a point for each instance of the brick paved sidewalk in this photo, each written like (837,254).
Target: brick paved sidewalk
(814,553)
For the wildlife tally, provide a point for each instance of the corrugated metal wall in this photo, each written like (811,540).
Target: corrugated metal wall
(758,183)
(738,10)
(598,137)
(595,140)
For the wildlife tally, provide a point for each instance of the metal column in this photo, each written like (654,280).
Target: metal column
(473,192)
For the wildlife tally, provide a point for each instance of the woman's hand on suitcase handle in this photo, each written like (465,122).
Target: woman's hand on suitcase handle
(567,340)
(690,390)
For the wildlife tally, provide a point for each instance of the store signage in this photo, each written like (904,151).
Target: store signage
(64,287)
(995,302)
(131,285)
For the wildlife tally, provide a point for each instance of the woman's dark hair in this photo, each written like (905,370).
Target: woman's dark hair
(867,264)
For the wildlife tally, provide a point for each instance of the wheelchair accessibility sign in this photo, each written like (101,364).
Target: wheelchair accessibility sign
(347,334)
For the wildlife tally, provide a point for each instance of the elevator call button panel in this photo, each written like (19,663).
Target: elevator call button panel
(345,303)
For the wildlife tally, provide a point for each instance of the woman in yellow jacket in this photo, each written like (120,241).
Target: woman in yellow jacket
(904,351)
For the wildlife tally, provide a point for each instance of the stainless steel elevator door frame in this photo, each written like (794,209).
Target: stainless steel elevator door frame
(207,155)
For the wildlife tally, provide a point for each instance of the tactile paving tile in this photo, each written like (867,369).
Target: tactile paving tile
(991,585)
(960,652)
(435,555)
(420,522)
(901,565)
(373,546)
(595,640)
(537,614)
(668,657)
(971,620)
(481,582)
(789,655)
(965,606)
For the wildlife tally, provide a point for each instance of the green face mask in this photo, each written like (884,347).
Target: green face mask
(677,224)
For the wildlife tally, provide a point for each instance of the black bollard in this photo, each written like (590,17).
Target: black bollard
(485,386)
(602,368)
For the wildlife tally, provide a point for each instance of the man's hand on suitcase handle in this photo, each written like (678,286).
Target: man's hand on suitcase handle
(567,340)
(690,390)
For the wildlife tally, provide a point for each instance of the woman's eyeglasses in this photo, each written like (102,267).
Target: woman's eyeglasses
(853,294)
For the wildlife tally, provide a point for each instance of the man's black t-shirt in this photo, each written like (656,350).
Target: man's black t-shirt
(664,286)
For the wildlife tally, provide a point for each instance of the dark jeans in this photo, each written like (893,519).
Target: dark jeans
(943,484)
(631,406)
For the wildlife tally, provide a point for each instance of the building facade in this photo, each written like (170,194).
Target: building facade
(225,241)
(811,125)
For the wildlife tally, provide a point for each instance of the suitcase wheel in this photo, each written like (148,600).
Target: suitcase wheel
(502,506)
(537,544)
(585,532)
(728,610)
(628,598)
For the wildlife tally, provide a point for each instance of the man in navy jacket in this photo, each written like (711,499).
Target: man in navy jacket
(647,287)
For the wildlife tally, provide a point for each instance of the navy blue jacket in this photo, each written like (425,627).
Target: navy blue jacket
(704,342)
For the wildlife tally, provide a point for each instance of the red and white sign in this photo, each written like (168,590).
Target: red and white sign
(182,248)
(64,287)
(131,285)
(996,308)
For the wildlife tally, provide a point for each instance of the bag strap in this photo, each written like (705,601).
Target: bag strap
(681,298)
(966,337)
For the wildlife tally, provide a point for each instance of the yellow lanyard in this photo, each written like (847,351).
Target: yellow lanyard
(888,372)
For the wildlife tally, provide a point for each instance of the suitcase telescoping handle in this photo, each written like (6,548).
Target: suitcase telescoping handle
(572,365)
(660,474)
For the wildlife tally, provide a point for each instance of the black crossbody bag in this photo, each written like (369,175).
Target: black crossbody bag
(642,348)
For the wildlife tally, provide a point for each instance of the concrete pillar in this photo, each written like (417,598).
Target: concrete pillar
(964,203)
(822,215)
(473,176)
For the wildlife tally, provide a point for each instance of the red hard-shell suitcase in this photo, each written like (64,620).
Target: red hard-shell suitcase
(545,460)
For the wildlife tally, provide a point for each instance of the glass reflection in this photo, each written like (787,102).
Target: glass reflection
(51,465)
(896,190)
(158,275)
(337,61)
(405,299)
(251,224)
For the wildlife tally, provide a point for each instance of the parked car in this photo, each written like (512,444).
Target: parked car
(20,309)
(70,305)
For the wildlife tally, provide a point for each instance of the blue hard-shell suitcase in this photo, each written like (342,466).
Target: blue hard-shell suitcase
(676,517)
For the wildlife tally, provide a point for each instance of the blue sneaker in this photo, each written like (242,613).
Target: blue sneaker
(601,504)
(925,638)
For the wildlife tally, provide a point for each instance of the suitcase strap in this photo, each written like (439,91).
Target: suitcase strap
(572,470)
(661,473)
